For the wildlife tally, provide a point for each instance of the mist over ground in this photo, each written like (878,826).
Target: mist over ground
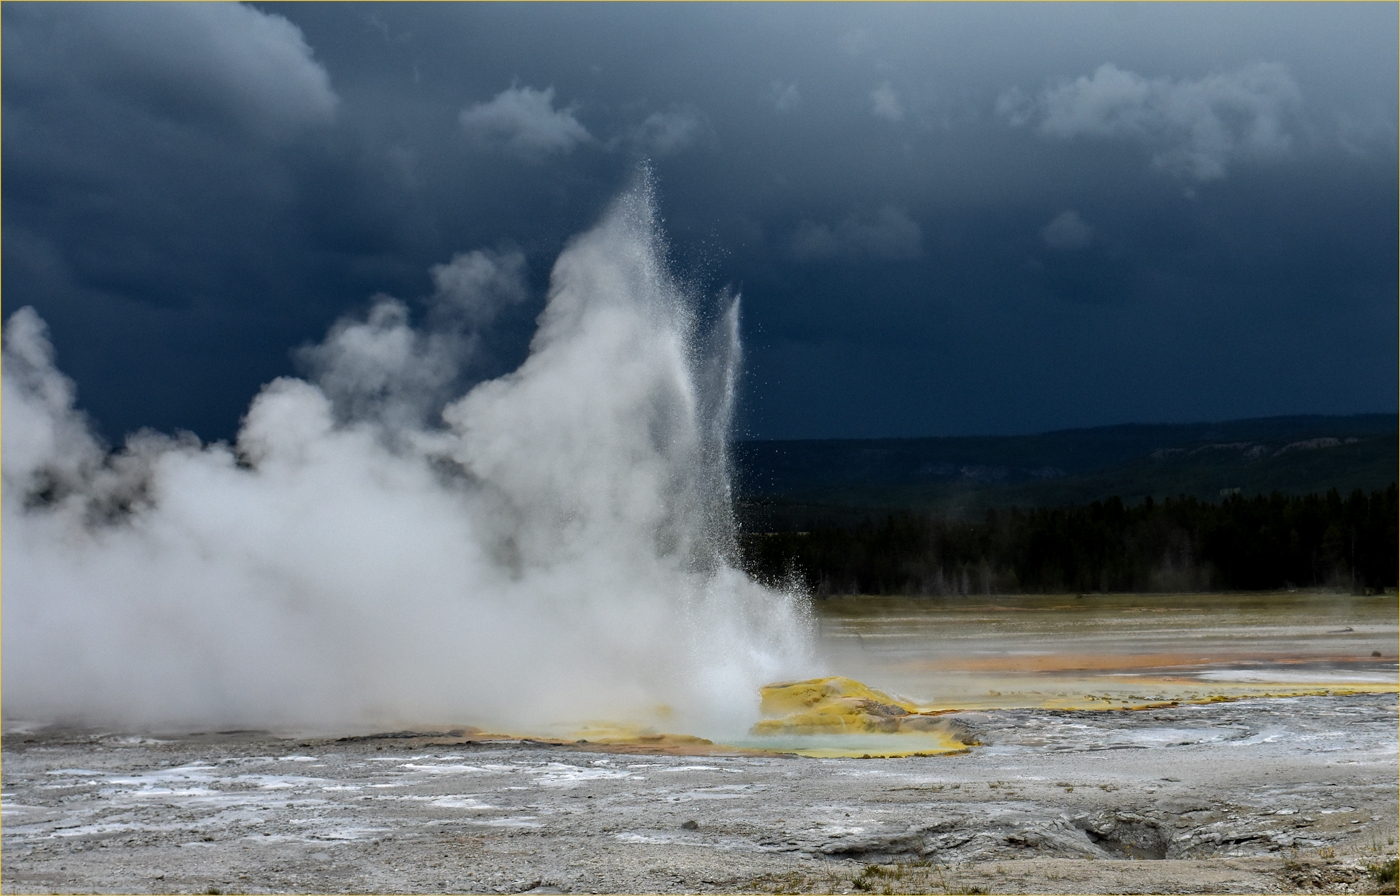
(379,548)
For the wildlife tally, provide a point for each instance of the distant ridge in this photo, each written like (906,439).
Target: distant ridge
(785,484)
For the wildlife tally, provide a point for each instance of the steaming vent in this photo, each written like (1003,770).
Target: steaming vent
(383,546)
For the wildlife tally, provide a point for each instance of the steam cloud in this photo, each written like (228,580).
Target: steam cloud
(552,546)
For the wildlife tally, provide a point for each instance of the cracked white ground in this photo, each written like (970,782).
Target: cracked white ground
(1177,794)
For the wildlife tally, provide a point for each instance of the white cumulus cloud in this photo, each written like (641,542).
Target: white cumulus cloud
(885,103)
(1067,231)
(784,96)
(1193,128)
(524,122)
(889,234)
(663,133)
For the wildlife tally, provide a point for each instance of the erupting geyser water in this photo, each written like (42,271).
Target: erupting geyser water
(553,546)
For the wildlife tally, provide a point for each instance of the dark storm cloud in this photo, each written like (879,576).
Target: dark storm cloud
(143,185)
(945,218)
(222,66)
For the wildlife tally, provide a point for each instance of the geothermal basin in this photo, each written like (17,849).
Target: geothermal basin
(1178,743)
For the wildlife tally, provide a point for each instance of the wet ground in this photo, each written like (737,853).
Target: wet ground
(1099,650)
(1262,794)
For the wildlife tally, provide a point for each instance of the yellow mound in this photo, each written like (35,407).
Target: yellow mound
(835,705)
(793,696)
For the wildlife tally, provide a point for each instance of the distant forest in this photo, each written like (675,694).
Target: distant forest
(1182,544)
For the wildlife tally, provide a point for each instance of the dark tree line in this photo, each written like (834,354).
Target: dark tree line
(1180,544)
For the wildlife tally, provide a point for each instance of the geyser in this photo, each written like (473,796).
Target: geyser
(552,546)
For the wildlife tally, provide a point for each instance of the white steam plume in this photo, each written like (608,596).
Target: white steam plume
(556,546)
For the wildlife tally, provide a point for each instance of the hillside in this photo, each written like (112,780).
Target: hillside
(784,485)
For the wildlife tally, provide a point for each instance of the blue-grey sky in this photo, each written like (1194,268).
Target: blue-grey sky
(943,219)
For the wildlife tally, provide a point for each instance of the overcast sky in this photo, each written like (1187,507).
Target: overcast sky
(943,219)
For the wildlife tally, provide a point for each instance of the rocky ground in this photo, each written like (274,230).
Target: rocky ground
(1267,795)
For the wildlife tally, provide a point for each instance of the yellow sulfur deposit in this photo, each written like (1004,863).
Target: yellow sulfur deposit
(835,705)
(788,697)
(841,717)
